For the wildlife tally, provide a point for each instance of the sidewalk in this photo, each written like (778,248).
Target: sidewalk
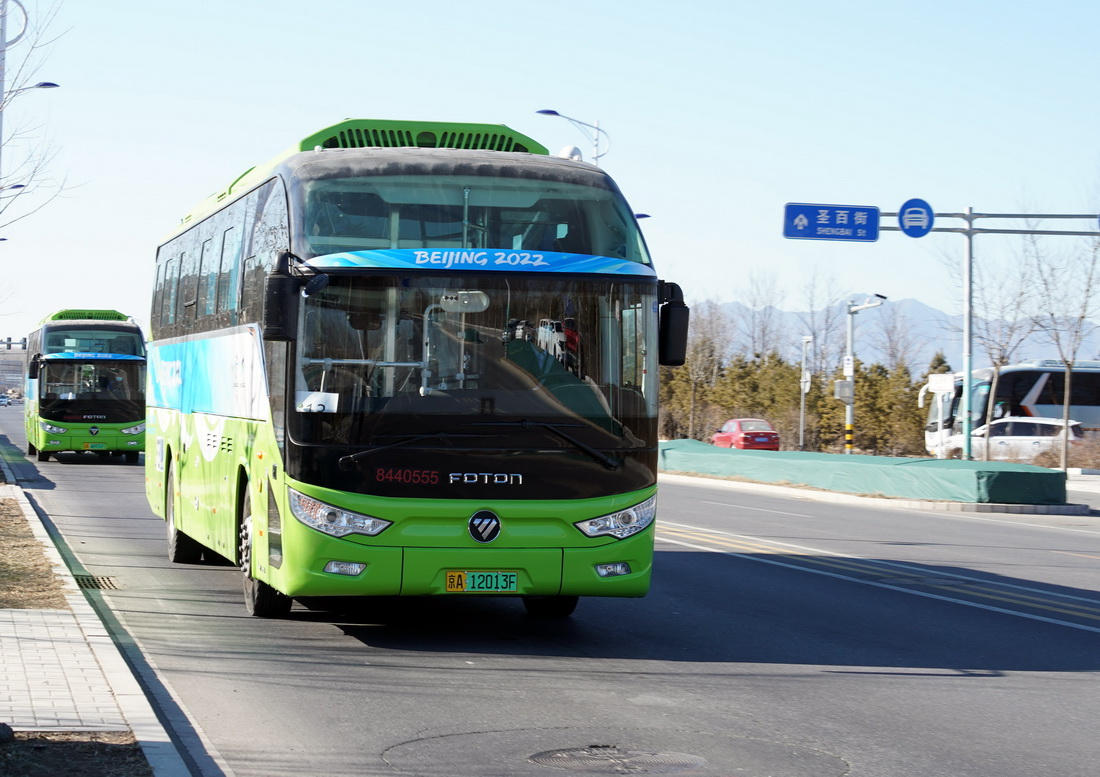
(60,670)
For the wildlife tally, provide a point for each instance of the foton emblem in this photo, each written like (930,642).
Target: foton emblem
(484,526)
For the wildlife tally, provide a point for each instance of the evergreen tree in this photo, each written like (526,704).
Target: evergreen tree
(938,365)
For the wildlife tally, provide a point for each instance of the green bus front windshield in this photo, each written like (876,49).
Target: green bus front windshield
(482,355)
(468,211)
(93,340)
(113,391)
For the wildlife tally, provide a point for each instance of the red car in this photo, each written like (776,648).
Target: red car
(753,434)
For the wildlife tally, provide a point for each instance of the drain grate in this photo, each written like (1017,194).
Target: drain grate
(97,582)
(611,759)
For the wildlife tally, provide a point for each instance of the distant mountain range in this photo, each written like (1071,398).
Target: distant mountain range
(906,327)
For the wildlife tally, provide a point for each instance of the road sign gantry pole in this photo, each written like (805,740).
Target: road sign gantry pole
(969,231)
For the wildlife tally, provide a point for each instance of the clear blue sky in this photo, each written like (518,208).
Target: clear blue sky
(719,113)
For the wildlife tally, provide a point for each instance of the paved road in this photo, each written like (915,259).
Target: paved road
(783,637)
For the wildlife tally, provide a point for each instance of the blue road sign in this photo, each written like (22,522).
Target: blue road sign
(806,221)
(915,218)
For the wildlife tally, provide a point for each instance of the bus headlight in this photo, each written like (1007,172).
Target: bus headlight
(51,429)
(623,523)
(332,520)
(135,429)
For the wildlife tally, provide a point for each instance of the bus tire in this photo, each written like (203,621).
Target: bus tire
(260,599)
(181,548)
(43,455)
(31,450)
(131,457)
(550,606)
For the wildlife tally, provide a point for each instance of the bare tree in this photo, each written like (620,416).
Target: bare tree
(708,348)
(1066,300)
(761,323)
(1001,323)
(24,176)
(1000,329)
(894,337)
(823,322)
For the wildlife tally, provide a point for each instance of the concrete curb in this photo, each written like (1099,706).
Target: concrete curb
(159,750)
(873,501)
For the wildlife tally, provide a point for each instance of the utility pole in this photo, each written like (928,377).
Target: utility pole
(850,368)
(804,388)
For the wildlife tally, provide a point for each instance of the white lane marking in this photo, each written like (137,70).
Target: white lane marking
(841,499)
(900,565)
(886,586)
(758,509)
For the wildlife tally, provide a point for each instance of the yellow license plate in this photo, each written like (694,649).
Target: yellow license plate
(481,582)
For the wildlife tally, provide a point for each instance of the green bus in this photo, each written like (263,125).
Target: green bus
(407,359)
(85,385)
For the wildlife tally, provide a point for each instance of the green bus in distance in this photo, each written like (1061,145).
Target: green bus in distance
(84,385)
(411,358)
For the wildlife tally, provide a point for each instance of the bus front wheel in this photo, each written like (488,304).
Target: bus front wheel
(260,599)
(550,606)
(43,455)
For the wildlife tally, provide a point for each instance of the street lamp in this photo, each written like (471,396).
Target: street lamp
(804,388)
(583,126)
(850,366)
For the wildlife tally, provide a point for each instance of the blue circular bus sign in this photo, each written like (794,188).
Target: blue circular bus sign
(915,218)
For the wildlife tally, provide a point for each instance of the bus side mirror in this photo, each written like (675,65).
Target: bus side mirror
(672,326)
(281,307)
(32,367)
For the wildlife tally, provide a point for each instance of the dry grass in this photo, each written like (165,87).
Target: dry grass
(1082,453)
(77,753)
(27,582)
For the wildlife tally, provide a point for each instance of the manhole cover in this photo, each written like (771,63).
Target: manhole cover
(95,581)
(611,759)
(616,751)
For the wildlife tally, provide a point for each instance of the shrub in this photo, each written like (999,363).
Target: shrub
(1082,453)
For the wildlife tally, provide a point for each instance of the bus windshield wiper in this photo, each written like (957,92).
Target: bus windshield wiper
(345,462)
(557,431)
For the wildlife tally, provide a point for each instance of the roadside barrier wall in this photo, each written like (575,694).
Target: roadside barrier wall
(934,479)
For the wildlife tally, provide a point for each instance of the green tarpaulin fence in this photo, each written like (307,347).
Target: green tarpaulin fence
(933,479)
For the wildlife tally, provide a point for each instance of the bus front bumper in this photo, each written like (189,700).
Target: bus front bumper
(53,443)
(425,571)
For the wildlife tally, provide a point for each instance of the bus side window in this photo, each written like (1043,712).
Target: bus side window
(168,309)
(158,296)
(269,237)
(186,293)
(228,269)
(203,296)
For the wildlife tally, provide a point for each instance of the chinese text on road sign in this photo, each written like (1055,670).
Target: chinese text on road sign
(805,221)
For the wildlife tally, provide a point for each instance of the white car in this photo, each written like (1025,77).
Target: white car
(1015,438)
